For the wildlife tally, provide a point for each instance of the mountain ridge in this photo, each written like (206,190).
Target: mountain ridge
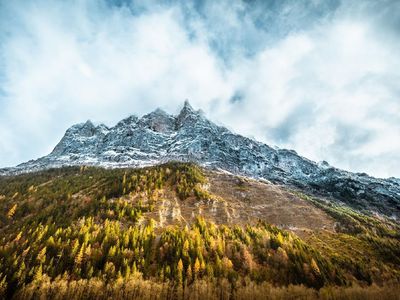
(159,137)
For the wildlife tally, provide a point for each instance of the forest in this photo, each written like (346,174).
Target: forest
(81,233)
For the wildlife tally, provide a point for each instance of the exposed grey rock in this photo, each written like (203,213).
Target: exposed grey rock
(159,137)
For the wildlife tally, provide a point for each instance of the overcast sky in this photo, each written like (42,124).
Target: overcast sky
(319,77)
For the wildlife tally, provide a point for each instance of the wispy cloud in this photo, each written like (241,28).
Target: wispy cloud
(320,77)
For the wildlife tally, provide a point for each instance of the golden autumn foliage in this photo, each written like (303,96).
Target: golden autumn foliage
(79,235)
(11,211)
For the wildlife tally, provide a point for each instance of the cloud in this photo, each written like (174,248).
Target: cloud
(328,93)
(320,77)
(64,65)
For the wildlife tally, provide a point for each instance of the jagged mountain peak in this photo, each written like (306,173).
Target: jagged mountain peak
(189,116)
(189,136)
(187,110)
(155,114)
(158,121)
(87,128)
(187,106)
(129,121)
(82,127)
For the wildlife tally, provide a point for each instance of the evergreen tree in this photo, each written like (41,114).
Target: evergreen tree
(179,272)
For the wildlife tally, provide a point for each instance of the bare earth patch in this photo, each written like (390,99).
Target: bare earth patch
(252,199)
(237,200)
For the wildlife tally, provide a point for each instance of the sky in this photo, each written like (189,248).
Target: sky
(319,76)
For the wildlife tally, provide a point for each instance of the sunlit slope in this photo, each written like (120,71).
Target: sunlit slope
(178,224)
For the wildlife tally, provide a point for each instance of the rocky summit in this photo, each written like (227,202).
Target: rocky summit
(159,137)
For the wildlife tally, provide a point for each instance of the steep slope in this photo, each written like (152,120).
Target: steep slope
(175,226)
(159,137)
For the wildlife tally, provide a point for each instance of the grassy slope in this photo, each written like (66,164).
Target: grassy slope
(368,247)
(90,224)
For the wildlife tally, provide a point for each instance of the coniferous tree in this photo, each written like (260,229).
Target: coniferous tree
(179,272)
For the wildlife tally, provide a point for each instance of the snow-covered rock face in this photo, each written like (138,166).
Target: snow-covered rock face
(159,137)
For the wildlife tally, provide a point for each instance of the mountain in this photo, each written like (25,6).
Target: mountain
(189,136)
(176,207)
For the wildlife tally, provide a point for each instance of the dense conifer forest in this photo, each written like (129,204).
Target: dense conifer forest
(92,233)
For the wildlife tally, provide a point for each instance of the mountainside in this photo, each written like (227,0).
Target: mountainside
(180,231)
(159,137)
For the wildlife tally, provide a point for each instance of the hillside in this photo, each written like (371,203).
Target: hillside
(178,229)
